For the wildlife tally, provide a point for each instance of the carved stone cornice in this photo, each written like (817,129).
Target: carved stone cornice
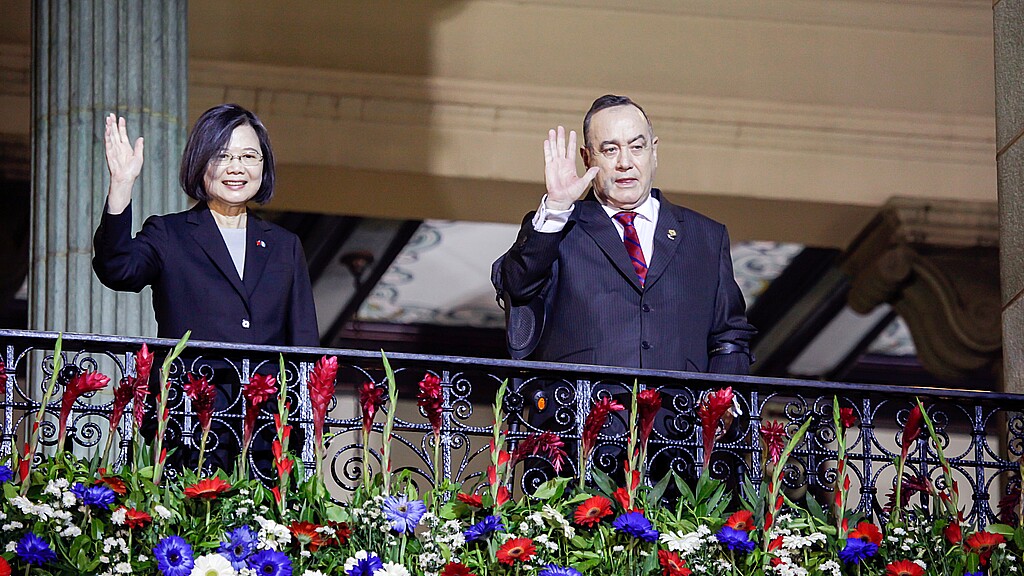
(937,264)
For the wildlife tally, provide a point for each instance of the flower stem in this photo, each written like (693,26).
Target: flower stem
(30,448)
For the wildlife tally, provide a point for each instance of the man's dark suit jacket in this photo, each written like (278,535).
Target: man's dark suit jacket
(690,314)
(195,284)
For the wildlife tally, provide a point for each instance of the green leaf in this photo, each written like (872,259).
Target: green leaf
(603,482)
(1000,529)
(552,489)
(658,491)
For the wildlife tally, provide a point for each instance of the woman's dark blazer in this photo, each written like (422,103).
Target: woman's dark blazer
(195,285)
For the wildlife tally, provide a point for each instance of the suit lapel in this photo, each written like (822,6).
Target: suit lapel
(668,237)
(209,239)
(593,219)
(258,245)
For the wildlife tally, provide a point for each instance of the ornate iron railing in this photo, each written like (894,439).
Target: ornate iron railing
(982,432)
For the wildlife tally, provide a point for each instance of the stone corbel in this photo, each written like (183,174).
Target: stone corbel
(937,264)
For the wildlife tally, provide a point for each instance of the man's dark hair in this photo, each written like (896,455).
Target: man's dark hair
(609,101)
(209,136)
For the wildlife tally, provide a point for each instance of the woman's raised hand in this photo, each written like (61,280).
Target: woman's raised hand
(123,161)
(564,184)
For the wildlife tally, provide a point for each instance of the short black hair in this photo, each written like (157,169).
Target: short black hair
(609,101)
(209,136)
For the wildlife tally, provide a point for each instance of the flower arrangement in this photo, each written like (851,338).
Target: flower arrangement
(74,516)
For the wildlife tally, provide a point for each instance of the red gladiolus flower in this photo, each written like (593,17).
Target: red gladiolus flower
(283,463)
(83,383)
(595,422)
(592,510)
(775,544)
(259,389)
(911,485)
(711,410)
(648,402)
(953,533)
(341,533)
(773,433)
(547,444)
(429,398)
(503,496)
(321,391)
(115,484)
(847,418)
(741,520)
(621,497)
(306,535)
(474,500)
(208,488)
(1008,505)
(202,394)
(912,429)
(136,518)
(672,564)
(516,550)
(5,568)
(983,544)
(456,569)
(903,568)
(867,532)
(371,398)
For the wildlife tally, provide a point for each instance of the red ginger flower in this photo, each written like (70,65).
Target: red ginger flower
(208,488)
(203,394)
(711,410)
(321,391)
(371,398)
(741,520)
(516,549)
(984,544)
(672,564)
(456,569)
(773,433)
(261,387)
(648,402)
(83,383)
(474,500)
(3,377)
(140,383)
(123,394)
(903,568)
(429,398)
(592,510)
(847,418)
(912,429)
(548,444)
(595,422)
(867,532)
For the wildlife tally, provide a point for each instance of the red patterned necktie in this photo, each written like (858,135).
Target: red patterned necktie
(632,242)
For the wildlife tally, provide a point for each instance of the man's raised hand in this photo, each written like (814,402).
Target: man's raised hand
(564,185)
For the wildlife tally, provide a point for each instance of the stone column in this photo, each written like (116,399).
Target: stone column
(91,58)
(1008,17)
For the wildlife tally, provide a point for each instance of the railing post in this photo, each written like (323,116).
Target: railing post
(7,435)
(583,391)
(306,420)
(446,426)
(867,438)
(756,456)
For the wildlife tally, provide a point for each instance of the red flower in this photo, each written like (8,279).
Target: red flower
(202,394)
(741,520)
(123,394)
(456,569)
(911,485)
(711,410)
(429,398)
(1008,505)
(208,488)
(321,392)
(672,564)
(115,484)
(282,462)
(648,402)
(136,518)
(847,418)
(867,532)
(953,533)
(140,383)
(260,388)
(983,544)
(912,429)
(341,533)
(592,510)
(516,549)
(5,568)
(83,383)
(773,433)
(547,444)
(621,497)
(595,422)
(474,500)
(903,568)
(3,383)
(307,536)
(371,398)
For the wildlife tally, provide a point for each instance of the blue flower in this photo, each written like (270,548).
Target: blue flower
(556,570)
(483,528)
(978,573)
(403,514)
(363,564)
(174,556)
(270,563)
(240,543)
(34,550)
(99,496)
(857,550)
(734,539)
(637,525)
(5,474)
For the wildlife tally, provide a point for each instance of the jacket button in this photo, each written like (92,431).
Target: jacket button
(645,345)
(245,323)
(646,307)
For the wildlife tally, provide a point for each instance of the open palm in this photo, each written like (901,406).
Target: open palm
(564,184)
(123,160)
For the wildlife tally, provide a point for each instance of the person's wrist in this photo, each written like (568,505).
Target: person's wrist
(557,205)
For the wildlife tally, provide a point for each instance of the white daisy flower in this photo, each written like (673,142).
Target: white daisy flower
(391,569)
(213,565)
